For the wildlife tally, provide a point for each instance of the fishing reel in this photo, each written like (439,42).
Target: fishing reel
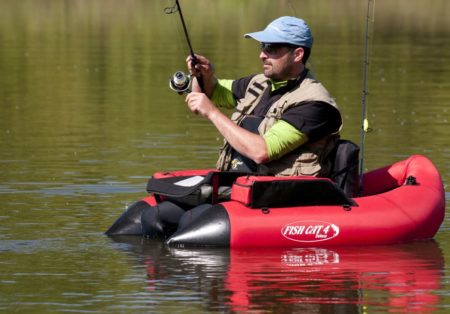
(180,82)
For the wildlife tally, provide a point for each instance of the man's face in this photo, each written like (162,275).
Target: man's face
(280,62)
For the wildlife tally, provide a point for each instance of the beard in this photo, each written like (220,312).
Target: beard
(277,72)
(268,70)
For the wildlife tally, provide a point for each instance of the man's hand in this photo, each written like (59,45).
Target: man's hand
(199,103)
(204,68)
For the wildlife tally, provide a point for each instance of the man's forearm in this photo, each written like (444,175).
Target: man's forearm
(245,142)
(208,85)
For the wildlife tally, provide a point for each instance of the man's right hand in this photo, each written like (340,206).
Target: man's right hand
(201,66)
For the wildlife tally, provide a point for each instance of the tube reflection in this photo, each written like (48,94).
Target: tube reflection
(342,279)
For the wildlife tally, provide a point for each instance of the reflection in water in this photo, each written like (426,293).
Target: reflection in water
(315,280)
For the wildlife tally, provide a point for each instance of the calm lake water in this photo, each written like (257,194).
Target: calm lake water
(86,116)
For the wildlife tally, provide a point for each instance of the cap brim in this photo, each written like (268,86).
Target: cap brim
(263,37)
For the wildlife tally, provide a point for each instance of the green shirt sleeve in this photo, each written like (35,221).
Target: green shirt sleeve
(283,138)
(280,139)
(222,95)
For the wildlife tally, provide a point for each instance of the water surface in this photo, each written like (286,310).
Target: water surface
(86,116)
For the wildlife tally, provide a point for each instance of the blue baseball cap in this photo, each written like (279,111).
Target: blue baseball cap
(286,30)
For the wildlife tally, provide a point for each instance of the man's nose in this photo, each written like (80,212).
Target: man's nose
(262,55)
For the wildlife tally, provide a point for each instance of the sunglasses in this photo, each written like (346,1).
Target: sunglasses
(273,48)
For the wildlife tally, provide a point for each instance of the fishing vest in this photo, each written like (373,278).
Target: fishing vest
(308,159)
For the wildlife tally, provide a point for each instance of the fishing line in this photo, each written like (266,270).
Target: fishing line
(180,82)
(291,5)
(365,122)
(178,37)
(310,63)
(177,8)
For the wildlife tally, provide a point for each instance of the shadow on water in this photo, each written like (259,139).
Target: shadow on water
(333,280)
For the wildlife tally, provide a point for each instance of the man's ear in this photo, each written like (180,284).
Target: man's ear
(299,52)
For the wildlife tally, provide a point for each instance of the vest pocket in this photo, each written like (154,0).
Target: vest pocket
(307,164)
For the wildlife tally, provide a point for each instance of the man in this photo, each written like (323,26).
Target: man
(285,122)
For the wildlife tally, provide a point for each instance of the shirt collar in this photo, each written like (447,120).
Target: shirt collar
(289,84)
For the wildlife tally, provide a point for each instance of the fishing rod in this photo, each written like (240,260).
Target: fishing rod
(365,122)
(180,82)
